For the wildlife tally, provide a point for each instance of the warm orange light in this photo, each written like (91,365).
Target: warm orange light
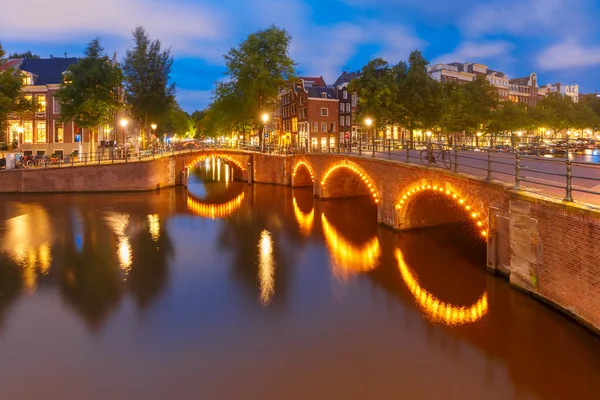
(213,211)
(353,169)
(436,310)
(306,221)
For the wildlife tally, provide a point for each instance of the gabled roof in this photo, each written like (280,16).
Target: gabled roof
(317,92)
(13,63)
(316,81)
(520,81)
(48,70)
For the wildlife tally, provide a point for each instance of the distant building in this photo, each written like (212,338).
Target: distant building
(571,91)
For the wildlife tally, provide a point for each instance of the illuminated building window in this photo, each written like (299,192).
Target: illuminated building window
(27,80)
(40,102)
(59,132)
(27,131)
(40,128)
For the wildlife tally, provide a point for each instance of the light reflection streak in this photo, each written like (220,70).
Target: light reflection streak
(266,267)
(306,221)
(436,310)
(348,257)
(28,243)
(210,210)
(154,226)
(118,224)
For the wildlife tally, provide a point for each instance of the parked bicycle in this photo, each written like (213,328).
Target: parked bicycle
(429,156)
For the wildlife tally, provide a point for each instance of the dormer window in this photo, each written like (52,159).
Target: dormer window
(324,95)
(66,76)
(27,79)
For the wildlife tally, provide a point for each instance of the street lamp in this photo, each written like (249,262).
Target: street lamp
(477,139)
(124,125)
(428,133)
(369,122)
(265,118)
(153,126)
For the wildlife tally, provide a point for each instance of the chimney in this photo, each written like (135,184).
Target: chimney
(51,56)
(65,54)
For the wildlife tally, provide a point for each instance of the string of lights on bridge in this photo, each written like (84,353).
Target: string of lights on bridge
(478,217)
(300,164)
(224,157)
(357,171)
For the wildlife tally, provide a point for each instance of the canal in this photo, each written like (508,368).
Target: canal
(231,291)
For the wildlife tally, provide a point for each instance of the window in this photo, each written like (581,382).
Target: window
(354,99)
(293,109)
(323,126)
(301,100)
(315,127)
(40,129)
(348,123)
(341,120)
(40,102)
(348,108)
(55,105)
(324,112)
(27,80)
(323,143)
(341,107)
(324,95)
(332,127)
(67,77)
(345,95)
(59,132)
(294,124)
(27,131)
(28,98)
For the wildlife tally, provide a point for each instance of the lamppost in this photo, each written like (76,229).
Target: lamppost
(477,139)
(265,118)
(124,125)
(153,126)
(369,122)
(428,133)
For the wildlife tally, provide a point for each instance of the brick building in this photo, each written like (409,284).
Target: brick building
(42,132)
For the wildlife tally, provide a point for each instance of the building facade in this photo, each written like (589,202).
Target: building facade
(42,132)
(570,91)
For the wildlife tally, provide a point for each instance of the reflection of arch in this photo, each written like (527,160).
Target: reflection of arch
(224,157)
(345,164)
(473,212)
(298,168)
(305,220)
(347,256)
(215,210)
(435,309)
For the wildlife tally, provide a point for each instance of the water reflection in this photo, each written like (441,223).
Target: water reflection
(347,257)
(436,310)
(215,210)
(305,220)
(118,224)
(266,267)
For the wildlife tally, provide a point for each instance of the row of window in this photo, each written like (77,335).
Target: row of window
(315,127)
(40,103)
(345,121)
(345,107)
(40,132)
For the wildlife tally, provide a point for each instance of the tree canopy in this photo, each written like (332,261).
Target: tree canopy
(149,94)
(91,97)
(28,54)
(11,100)
(258,69)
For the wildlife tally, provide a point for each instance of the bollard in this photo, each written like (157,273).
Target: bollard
(407,151)
(569,187)
(517,171)
(489,165)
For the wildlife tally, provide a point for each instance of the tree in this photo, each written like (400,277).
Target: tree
(558,110)
(27,55)
(176,122)
(259,69)
(91,97)
(147,69)
(420,96)
(11,100)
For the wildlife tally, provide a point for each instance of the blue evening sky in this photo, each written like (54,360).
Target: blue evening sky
(557,39)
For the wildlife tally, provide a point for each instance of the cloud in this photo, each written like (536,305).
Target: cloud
(471,51)
(568,54)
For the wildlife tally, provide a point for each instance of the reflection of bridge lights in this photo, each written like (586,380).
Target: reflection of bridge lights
(154,226)
(118,224)
(357,171)
(348,257)
(478,218)
(437,310)
(266,267)
(302,163)
(305,221)
(209,210)
(28,242)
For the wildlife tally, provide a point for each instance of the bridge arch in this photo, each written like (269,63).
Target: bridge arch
(437,310)
(224,157)
(302,175)
(428,203)
(354,181)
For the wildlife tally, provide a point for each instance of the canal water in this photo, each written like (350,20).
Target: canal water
(231,291)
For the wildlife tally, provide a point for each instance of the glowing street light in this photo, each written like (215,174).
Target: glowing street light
(265,119)
(124,123)
(153,126)
(369,122)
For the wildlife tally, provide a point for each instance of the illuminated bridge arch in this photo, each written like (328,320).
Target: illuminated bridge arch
(215,210)
(224,157)
(426,203)
(436,310)
(344,179)
(302,175)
